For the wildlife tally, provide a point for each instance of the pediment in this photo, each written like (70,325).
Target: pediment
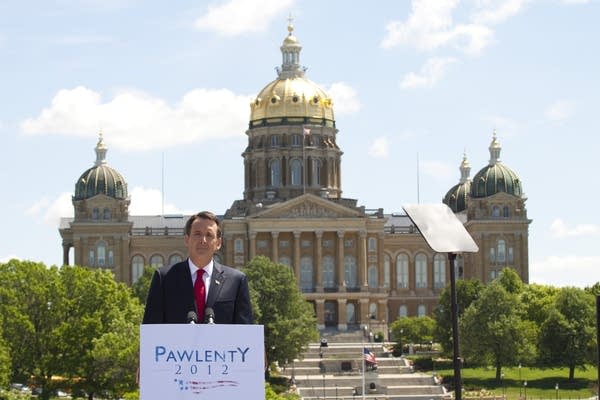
(307,206)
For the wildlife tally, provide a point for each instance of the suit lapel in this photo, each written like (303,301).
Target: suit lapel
(217,280)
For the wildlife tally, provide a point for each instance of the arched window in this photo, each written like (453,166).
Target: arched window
(439,271)
(506,212)
(421,310)
(306,274)
(296,172)
(296,142)
(95,213)
(350,272)
(421,270)
(285,261)
(101,253)
(373,311)
(501,255)
(157,261)
(174,259)
(495,211)
(511,255)
(111,258)
(402,271)
(350,313)
(274,141)
(316,172)
(492,255)
(372,244)
(328,272)
(275,169)
(386,271)
(402,312)
(238,246)
(91,258)
(106,213)
(372,277)
(137,267)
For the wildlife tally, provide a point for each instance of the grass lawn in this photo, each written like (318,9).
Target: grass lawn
(541,383)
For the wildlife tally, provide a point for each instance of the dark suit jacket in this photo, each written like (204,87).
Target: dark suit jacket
(171,295)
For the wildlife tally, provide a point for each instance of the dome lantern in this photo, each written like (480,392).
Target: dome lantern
(290,54)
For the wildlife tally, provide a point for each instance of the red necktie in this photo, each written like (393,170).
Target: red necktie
(200,294)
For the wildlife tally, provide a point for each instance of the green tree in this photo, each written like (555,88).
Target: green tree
(288,319)
(142,285)
(466,292)
(5,363)
(511,281)
(32,303)
(413,329)
(538,301)
(492,330)
(99,312)
(567,335)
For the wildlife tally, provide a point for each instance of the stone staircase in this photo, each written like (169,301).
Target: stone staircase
(334,372)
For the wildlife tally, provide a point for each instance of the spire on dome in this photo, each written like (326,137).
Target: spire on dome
(465,169)
(290,52)
(495,149)
(101,150)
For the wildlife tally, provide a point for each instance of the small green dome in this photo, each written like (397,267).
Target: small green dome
(100,179)
(495,177)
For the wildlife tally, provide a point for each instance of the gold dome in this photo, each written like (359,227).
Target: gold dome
(291,98)
(297,99)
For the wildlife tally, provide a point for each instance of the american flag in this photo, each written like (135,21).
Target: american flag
(306,131)
(369,356)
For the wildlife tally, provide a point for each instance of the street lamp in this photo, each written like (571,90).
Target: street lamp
(336,388)
(556,388)
(323,386)
(503,385)
(525,386)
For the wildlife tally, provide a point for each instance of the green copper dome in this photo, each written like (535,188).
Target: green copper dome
(495,177)
(456,197)
(100,179)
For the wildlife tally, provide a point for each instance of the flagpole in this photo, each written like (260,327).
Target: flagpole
(364,363)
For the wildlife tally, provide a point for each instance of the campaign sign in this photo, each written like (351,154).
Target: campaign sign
(207,361)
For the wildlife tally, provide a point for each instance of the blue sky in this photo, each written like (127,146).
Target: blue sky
(420,79)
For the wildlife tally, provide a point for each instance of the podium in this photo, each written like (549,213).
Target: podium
(206,361)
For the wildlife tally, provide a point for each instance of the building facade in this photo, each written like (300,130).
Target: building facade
(356,265)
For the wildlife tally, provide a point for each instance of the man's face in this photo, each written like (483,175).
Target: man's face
(202,241)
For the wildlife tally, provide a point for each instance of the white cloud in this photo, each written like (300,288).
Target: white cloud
(560,110)
(51,211)
(430,26)
(565,271)
(379,148)
(496,11)
(138,121)
(149,202)
(436,169)
(560,229)
(345,98)
(237,17)
(431,72)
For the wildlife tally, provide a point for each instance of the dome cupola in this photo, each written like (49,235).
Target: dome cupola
(100,179)
(495,177)
(456,197)
(291,98)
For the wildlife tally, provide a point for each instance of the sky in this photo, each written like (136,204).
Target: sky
(416,84)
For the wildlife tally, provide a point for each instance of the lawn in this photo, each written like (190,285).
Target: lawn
(541,383)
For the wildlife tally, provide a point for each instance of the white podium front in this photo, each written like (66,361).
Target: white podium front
(180,362)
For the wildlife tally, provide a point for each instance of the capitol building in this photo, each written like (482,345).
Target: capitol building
(355,265)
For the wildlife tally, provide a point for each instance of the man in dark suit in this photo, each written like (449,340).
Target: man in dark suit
(199,282)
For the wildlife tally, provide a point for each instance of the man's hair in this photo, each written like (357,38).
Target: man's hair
(203,215)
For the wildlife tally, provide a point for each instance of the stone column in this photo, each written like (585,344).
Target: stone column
(340,262)
(274,247)
(320,303)
(342,322)
(297,255)
(66,247)
(362,260)
(380,264)
(252,247)
(318,254)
